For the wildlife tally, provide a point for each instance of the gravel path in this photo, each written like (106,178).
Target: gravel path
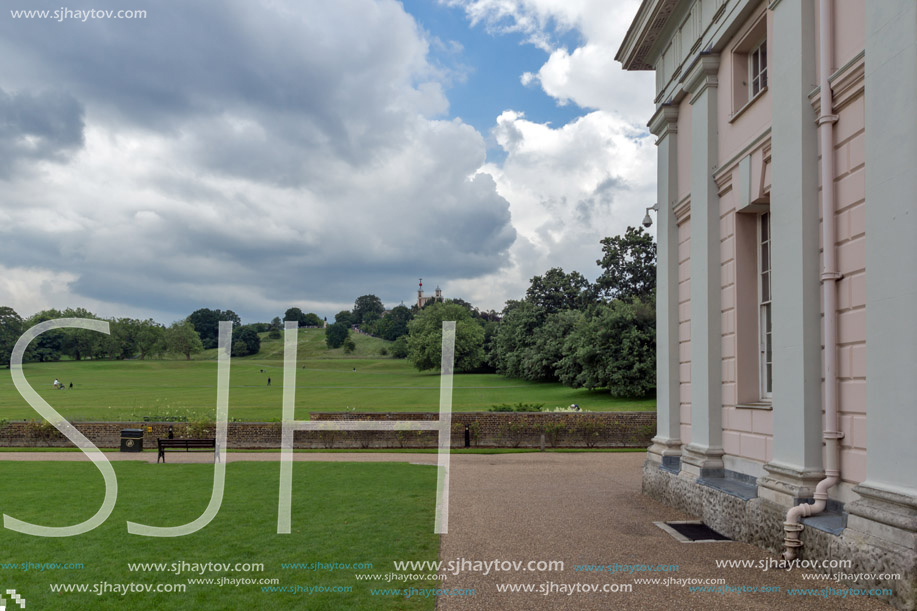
(588,509)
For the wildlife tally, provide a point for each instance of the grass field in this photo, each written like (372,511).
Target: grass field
(364,513)
(326,381)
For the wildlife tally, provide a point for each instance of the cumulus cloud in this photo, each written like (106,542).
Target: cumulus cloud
(568,185)
(568,188)
(242,155)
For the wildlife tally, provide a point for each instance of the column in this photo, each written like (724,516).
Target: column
(703,456)
(796,464)
(666,448)
(888,504)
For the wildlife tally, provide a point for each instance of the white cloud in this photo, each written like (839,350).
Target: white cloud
(568,186)
(282,155)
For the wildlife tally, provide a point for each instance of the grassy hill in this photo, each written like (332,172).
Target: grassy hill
(326,380)
(311,345)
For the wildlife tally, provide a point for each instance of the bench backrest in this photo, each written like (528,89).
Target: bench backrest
(187,443)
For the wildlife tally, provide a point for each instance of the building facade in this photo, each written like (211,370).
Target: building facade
(787,345)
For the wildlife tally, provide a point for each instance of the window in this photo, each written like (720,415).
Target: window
(749,65)
(757,69)
(765,358)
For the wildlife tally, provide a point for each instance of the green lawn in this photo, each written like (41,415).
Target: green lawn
(344,512)
(326,381)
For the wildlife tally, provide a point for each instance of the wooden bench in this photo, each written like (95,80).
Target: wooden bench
(188,445)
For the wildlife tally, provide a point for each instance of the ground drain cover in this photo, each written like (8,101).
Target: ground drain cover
(692,531)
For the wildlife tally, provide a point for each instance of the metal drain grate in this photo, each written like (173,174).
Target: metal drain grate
(692,531)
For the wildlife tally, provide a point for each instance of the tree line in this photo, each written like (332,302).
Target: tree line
(565,329)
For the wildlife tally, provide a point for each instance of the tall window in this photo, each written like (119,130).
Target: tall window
(764,304)
(757,69)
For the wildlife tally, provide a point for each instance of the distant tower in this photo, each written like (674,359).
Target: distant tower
(420,299)
(438,294)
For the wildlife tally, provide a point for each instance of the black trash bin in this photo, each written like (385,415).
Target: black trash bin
(132,440)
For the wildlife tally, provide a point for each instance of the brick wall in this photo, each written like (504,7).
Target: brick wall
(590,429)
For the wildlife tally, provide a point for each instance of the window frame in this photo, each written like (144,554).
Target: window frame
(757,79)
(765,297)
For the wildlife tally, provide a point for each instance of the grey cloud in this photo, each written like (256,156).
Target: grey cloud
(38,126)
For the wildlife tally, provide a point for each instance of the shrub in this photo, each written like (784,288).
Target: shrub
(383,351)
(553,431)
(511,433)
(518,407)
(349,346)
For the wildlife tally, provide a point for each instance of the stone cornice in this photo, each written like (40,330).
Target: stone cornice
(643,34)
(664,121)
(701,74)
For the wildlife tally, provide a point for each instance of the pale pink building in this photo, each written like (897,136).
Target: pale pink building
(786,372)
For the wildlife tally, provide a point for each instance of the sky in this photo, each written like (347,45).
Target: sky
(259,155)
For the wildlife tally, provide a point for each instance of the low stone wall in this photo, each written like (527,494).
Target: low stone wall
(760,522)
(512,430)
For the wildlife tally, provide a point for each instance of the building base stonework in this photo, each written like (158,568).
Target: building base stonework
(759,521)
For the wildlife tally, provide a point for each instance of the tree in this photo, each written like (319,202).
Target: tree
(613,346)
(395,324)
(147,335)
(345,318)
(336,334)
(245,341)
(426,337)
(628,265)
(11,328)
(207,324)
(400,348)
(556,291)
(365,307)
(49,345)
(181,338)
(313,320)
(515,336)
(295,314)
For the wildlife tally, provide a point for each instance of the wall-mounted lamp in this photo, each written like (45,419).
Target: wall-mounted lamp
(648,220)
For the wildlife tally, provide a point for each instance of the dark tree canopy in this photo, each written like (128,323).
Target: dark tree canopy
(207,324)
(426,337)
(245,341)
(295,314)
(11,327)
(336,334)
(345,318)
(367,308)
(628,265)
(393,325)
(556,291)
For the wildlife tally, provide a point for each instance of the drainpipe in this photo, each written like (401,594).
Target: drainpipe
(829,278)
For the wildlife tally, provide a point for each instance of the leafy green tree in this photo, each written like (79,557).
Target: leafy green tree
(276,330)
(295,314)
(349,346)
(556,291)
(148,334)
(345,318)
(245,341)
(539,360)
(181,338)
(11,328)
(514,336)
(49,345)
(613,346)
(336,335)
(367,308)
(207,324)
(314,320)
(399,348)
(628,265)
(80,343)
(395,324)
(426,337)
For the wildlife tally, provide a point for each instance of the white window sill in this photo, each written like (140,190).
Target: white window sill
(738,113)
(755,405)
